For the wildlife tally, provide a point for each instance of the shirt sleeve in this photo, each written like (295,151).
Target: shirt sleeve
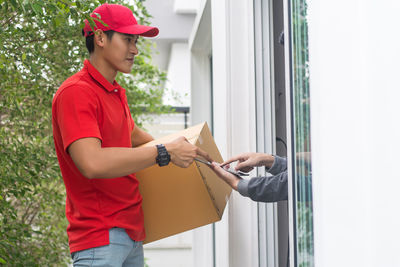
(279,165)
(77,115)
(265,189)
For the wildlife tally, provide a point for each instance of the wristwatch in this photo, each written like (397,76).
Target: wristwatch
(163,157)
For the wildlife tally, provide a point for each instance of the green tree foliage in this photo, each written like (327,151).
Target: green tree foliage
(40,46)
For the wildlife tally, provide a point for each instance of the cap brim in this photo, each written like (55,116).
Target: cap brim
(141,30)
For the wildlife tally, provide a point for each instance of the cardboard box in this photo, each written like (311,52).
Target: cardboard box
(179,199)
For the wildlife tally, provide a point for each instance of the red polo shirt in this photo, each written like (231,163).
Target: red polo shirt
(87,105)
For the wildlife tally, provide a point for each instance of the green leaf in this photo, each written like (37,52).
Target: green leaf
(37,8)
(58,20)
(22,6)
(14,4)
(98,15)
(51,8)
(91,23)
(102,22)
(23,57)
(2,261)
(73,12)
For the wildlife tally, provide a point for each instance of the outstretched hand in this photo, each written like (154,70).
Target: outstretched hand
(229,178)
(247,161)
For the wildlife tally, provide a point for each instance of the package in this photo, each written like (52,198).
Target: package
(179,199)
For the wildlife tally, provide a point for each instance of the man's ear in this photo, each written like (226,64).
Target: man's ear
(99,38)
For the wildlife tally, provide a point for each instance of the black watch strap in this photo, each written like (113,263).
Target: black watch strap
(163,158)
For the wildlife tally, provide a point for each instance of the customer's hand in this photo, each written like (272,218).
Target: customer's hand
(183,153)
(247,161)
(229,178)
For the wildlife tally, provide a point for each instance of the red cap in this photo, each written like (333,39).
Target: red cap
(120,19)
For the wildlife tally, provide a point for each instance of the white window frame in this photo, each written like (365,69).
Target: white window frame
(201,110)
(264,72)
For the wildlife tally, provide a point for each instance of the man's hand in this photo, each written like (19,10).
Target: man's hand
(229,178)
(247,161)
(183,153)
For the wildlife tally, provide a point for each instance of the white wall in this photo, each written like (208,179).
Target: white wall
(201,109)
(172,55)
(234,120)
(355,93)
(174,19)
(186,6)
(174,251)
(230,24)
(178,76)
(171,25)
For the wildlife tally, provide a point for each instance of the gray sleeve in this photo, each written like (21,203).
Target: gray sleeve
(279,165)
(266,189)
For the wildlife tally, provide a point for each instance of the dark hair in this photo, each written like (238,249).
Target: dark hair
(90,39)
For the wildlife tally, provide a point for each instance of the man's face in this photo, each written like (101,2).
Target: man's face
(120,51)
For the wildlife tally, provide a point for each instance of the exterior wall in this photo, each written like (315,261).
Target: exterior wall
(174,27)
(354,94)
(185,6)
(172,55)
(178,76)
(355,134)
(165,124)
(174,251)
(200,52)
(235,132)
(233,116)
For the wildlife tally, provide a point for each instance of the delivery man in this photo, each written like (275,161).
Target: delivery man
(97,141)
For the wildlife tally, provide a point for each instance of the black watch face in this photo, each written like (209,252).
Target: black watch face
(164,162)
(163,157)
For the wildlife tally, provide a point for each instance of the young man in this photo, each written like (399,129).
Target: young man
(96,142)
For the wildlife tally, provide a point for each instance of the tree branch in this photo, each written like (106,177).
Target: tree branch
(33,216)
(26,213)
(9,20)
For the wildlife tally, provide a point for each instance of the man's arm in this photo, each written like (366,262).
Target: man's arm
(140,137)
(279,165)
(268,189)
(264,189)
(94,161)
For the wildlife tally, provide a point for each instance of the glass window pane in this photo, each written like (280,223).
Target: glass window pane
(301,135)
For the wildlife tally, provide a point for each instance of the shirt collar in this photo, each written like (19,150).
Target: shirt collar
(96,75)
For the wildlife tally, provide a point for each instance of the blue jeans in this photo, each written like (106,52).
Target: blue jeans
(121,252)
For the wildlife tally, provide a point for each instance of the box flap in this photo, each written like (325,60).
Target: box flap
(219,191)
